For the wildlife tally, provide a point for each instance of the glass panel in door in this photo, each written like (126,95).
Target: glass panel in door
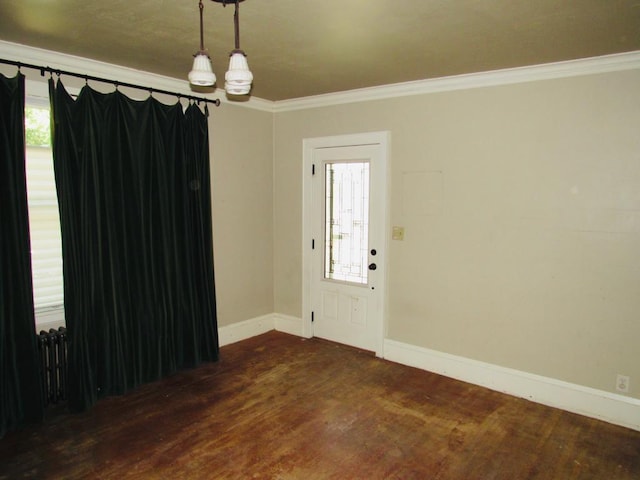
(346,222)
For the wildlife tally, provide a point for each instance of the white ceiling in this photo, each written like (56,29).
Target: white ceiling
(299,48)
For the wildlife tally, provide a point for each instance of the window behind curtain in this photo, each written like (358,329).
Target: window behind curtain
(44,220)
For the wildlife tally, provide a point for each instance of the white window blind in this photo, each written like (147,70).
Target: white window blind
(44,220)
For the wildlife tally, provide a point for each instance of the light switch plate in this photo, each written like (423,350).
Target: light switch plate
(397,233)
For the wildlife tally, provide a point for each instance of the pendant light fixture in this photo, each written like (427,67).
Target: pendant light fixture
(202,73)
(238,78)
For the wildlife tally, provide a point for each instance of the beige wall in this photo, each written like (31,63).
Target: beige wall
(242,190)
(521,205)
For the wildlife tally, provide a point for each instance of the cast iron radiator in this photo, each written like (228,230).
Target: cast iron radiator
(53,364)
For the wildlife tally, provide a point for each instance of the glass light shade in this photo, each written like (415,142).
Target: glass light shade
(239,77)
(202,73)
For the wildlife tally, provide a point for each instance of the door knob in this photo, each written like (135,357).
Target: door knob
(372,266)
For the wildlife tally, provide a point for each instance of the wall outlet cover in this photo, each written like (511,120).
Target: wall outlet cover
(622,383)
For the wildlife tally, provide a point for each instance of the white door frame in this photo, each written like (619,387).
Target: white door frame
(308,146)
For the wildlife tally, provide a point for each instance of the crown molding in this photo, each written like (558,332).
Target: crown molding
(82,66)
(548,71)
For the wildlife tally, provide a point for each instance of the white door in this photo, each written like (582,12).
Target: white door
(345,212)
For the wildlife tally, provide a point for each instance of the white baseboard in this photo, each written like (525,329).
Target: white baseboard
(257,326)
(606,406)
(610,407)
(242,330)
(288,324)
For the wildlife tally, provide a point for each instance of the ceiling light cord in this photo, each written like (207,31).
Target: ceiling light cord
(201,7)
(236,24)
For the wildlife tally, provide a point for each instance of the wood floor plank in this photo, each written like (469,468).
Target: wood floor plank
(281,407)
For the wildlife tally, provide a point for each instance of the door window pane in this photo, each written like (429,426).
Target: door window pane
(346,221)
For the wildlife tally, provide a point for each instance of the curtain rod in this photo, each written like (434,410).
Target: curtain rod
(59,72)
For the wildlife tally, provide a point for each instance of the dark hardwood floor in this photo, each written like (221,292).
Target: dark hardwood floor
(281,407)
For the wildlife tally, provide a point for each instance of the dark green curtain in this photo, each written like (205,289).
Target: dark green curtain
(20,395)
(134,194)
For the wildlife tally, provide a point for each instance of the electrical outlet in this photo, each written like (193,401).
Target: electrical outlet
(622,383)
